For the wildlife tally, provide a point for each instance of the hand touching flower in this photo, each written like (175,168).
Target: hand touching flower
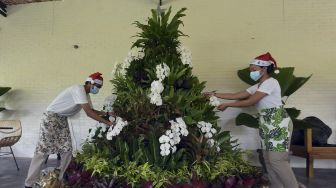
(222,107)
(209,94)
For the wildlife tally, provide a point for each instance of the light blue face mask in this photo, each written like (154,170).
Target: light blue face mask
(255,75)
(94,90)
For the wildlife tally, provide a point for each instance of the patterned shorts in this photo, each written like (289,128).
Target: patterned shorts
(275,129)
(55,134)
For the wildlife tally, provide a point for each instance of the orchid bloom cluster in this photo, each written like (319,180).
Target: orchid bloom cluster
(94,130)
(114,131)
(208,131)
(214,101)
(108,103)
(172,137)
(131,56)
(162,71)
(185,55)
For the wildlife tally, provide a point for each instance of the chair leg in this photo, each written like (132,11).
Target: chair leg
(310,167)
(14,158)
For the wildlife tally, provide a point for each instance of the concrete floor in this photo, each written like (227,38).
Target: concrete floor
(11,178)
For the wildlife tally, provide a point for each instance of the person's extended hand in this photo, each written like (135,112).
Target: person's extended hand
(111,114)
(222,107)
(110,123)
(209,94)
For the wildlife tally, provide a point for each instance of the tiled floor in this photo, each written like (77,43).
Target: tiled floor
(11,178)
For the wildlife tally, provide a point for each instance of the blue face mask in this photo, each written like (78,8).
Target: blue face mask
(255,75)
(94,90)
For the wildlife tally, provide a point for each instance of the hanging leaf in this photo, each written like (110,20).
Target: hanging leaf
(247,120)
(285,78)
(296,84)
(244,75)
(293,112)
(4,90)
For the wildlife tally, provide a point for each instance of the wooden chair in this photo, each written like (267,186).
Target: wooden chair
(311,152)
(10,133)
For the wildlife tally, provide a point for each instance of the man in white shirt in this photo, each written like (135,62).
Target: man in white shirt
(55,133)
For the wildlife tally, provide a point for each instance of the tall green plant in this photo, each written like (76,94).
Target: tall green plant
(289,84)
(138,147)
(182,95)
(3,90)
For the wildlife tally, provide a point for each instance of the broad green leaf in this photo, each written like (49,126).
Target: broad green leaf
(4,90)
(293,112)
(247,120)
(296,84)
(285,78)
(244,75)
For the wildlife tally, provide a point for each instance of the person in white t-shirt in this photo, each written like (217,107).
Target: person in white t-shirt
(55,135)
(275,126)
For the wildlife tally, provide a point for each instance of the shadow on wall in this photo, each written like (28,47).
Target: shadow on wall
(14,104)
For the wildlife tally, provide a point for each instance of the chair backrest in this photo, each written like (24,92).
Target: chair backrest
(10,132)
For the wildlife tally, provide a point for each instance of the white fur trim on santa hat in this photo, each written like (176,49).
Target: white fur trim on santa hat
(260,62)
(89,79)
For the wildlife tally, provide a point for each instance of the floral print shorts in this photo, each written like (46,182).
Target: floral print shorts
(275,129)
(55,134)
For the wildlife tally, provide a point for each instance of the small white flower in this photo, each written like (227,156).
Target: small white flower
(171,135)
(167,152)
(109,136)
(100,135)
(141,54)
(162,153)
(218,149)
(208,125)
(120,124)
(155,99)
(174,149)
(156,86)
(208,135)
(181,122)
(185,56)
(211,142)
(184,132)
(163,139)
(214,101)
(204,130)
(162,147)
(172,142)
(213,131)
(162,71)
(177,140)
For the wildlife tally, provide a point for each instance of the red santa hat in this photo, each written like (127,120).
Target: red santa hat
(264,60)
(95,78)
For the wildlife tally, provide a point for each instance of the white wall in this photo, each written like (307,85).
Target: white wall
(38,60)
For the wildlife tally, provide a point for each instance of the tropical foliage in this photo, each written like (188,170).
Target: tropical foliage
(166,133)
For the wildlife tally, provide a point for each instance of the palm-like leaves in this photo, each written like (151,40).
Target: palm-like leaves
(159,32)
(138,142)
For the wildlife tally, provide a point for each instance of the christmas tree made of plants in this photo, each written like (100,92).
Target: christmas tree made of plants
(166,132)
